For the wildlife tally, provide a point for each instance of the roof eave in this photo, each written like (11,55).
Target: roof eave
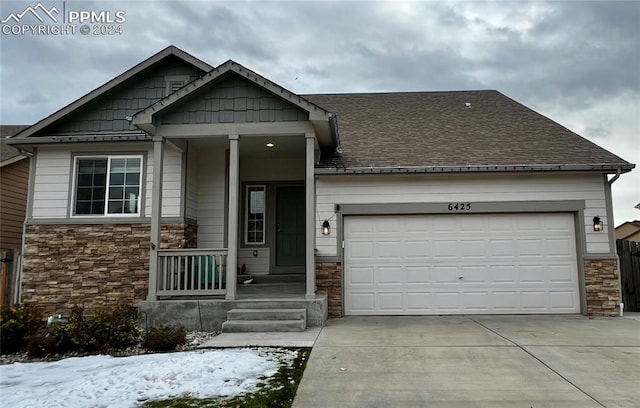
(601,168)
(12,160)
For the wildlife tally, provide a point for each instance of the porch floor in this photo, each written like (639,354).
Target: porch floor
(290,290)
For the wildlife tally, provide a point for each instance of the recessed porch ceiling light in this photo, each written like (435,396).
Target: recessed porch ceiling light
(270,145)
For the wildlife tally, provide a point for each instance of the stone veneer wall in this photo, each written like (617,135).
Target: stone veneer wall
(329,280)
(92,264)
(601,282)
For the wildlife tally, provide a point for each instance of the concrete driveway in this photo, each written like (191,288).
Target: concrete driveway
(474,361)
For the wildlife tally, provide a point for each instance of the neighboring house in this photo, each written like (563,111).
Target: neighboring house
(382,203)
(14,177)
(629,231)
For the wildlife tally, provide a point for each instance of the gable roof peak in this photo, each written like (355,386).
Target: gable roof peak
(101,90)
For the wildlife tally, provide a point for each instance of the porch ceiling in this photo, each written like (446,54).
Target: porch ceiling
(255,146)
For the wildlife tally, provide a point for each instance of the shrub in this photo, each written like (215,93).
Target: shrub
(104,329)
(114,329)
(49,340)
(17,324)
(164,338)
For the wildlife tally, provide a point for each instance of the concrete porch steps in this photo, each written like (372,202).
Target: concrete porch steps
(273,278)
(265,320)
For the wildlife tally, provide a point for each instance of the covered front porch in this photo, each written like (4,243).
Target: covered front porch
(249,203)
(236,154)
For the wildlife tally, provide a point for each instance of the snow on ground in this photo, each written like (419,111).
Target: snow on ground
(105,381)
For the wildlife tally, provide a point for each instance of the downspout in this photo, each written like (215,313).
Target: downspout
(621,305)
(618,172)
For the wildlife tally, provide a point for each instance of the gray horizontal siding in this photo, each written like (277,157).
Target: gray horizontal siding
(108,113)
(235,100)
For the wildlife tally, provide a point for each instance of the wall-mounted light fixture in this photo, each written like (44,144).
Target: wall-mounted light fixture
(597,224)
(270,145)
(326,228)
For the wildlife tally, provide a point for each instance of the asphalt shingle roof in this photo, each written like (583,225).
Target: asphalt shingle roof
(7,152)
(424,129)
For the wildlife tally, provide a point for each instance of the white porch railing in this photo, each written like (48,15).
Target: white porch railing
(191,272)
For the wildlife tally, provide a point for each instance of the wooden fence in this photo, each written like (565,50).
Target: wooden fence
(629,254)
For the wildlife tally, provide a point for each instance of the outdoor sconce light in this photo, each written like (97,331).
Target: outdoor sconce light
(326,228)
(597,223)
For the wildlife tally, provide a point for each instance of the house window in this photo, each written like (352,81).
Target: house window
(255,215)
(107,185)
(175,82)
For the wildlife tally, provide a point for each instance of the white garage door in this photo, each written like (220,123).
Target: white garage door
(460,264)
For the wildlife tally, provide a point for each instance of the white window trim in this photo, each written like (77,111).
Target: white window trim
(185,79)
(109,157)
(246,214)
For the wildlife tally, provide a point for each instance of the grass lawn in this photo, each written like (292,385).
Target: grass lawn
(277,391)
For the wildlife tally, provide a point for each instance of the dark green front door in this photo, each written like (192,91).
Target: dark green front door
(290,226)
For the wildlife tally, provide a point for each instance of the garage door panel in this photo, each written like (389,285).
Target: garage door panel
(563,301)
(362,250)
(533,300)
(388,250)
(390,302)
(532,248)
(562,274)
(532,274)
(389,275)
(559,248)
(447,264)
(362,302)
(416,250)
(361,276)
(419,301)
(445,274)
(501,248)
(444,249)
(417,275)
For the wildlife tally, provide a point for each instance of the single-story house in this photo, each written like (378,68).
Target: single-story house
(629,231)
(14,177)
(163,185)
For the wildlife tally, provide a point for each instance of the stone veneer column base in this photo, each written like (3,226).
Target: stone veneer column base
(601,282)
(92,265)
(329,280)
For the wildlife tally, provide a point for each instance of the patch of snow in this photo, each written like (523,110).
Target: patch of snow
(105,381)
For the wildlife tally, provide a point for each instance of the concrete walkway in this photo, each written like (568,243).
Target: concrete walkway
(479,361)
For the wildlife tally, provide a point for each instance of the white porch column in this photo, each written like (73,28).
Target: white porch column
(310,218)
(232,222)
(156,214)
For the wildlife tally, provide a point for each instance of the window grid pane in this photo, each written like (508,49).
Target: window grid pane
(90,184)
(255,215)
(123,195)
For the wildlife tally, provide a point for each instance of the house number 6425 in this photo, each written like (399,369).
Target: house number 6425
(459,206)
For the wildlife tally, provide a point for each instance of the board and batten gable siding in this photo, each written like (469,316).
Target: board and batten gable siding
(211,198)
(53,173)
(377,189)
(235,100)
(108,112)
(14,178)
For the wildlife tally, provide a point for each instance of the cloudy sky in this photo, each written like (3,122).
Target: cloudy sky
(577,62)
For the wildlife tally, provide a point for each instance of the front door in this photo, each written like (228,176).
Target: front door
(290,237)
